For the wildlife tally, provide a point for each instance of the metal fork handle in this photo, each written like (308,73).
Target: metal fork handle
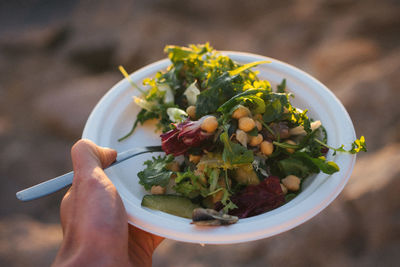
(58,183)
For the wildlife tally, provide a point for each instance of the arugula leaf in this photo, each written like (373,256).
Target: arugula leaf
(227,202)
(156,172)
(328,167)
(253,132)
(273,111)
(220,90)
(235,153)
(226,86)
(281,88)
(237,99)
(301,164)
(188,184)
(298,117)
(294,166)
(275,103)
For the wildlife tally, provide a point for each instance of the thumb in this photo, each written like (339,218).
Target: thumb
(106,156)
(87,155)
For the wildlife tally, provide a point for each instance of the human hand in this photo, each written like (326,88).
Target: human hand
(93,217)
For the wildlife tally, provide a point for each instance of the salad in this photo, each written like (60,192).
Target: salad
(234,146)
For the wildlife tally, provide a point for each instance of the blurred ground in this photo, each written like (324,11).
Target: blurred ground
(57,58)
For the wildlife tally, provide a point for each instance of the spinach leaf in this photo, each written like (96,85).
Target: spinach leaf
(156,172)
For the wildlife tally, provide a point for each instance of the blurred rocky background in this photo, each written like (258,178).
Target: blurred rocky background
(57,58)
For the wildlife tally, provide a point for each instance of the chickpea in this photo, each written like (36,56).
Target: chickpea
(290,142)
(256,140)
(241,112)
(173,166)
(242,137)
(218,196)
(194,158)
(246,124)
(266,148)
(258,116)
(157,190)
(284,189)
(210,124)
(191,111)
(291,182)
(258,125)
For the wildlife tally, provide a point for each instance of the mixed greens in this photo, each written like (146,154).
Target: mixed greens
(232,143)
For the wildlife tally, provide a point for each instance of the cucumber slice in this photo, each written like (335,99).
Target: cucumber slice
(172,204)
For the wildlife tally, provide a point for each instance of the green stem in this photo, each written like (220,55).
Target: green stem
(215,191)
(126,75)
(325,145)
(285,145)
(226,180)
(129,133)
(267,127)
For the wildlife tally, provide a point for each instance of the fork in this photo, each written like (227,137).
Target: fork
(53,185)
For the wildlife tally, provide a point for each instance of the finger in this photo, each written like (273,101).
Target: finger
(65,209)
(86,156)
(146,240)
(106,156)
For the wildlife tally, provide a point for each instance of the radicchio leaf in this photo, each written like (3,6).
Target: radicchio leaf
(186,135)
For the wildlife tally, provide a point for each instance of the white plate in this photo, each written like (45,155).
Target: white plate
(113,117)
